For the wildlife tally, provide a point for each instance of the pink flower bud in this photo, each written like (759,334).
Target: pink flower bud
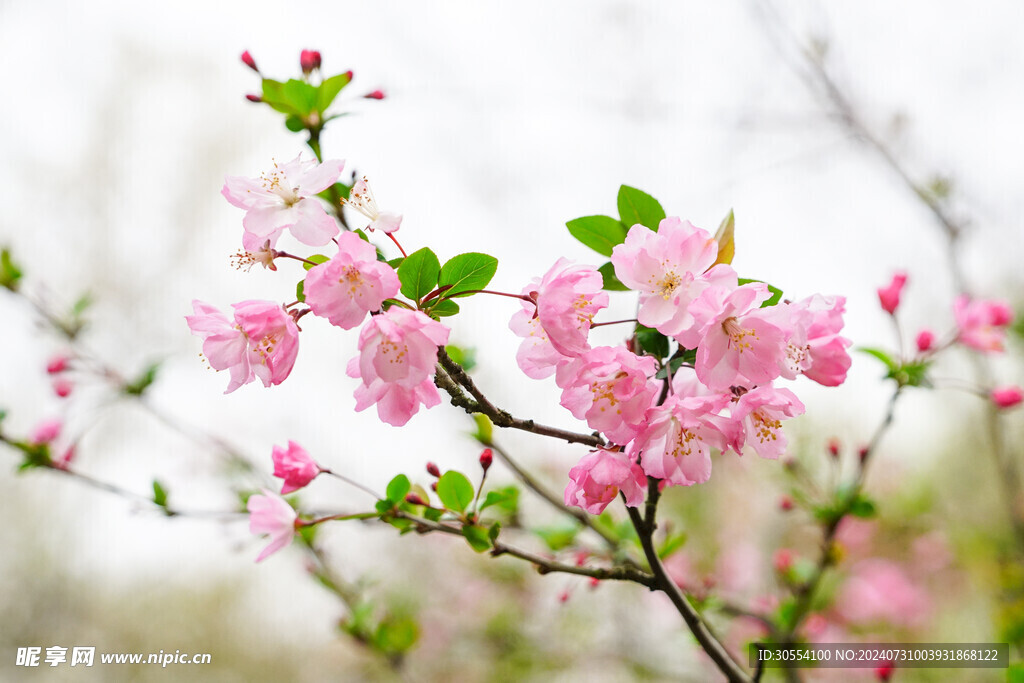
(375,95)
(253,98)
(62,387)
(786,504)
(65,460)
(295,466)
(57,364)
(884,673)
(783,560)
(413,499)
(833,447)
(486,458)
(889,297)
(925,340)
(309,60)
(45,432)
(862,453)
(1007,397)
(564,597)
(433,486)
(432,470)
(249,61)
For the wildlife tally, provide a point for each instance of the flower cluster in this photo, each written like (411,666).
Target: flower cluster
(738,342)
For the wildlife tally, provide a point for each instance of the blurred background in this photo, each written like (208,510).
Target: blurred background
(501,122)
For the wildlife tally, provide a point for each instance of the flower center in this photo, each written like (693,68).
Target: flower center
(738,335)
(668,284)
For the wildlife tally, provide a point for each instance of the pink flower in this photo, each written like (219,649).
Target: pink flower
(760,412)
(361,199)
(262,341)
(668,268)
(597,479)
(982,323)
(1007,397)
(609,387)
(536,356)
(880,591)
(351,284)
(285,198)
(294,466)
(46,431)
(826,349)
(398,352)
(675,443)
(889,297)
(743,343)
(568,296)
(271,514)
(925,341)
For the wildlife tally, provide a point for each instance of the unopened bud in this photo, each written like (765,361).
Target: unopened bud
(309,60)
(783,560)
(833,447)
(432,470)
(564,597)
(249,61)
(433,486)
(62,387)
(889,297)
(413,499)
(486,458)
(349,74)
(253,98)
(785,503)
(884,672)
(1007,397)
(862,453)
(57,365)
(375,95)
(925,340)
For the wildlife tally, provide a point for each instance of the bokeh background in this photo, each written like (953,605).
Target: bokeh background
(501,122)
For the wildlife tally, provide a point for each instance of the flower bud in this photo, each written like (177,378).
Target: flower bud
(45,432)
(375,95)
(249,61)
(833,447)
(863,453)
(783,560)
(413,499)
(253,98)
(309,60)
(62,387)
(889,297)
(884,673)
(786,504)
(433,486)
(57,365)
(925,340)
(432,470)
(1007,397)
(486,458)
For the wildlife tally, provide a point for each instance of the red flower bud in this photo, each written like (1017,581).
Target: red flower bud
(62,387)
(413,499)
(786,504)
(433,486)
(57,364)
(432,470)
(309,60)
(375,95)
(1007,397)
(486,458)
(253,98)
(884,672)
(833,447)
(349,74)
(249,61)
(862,454)
(925,340)
(783,560)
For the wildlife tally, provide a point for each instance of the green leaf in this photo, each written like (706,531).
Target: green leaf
(484,429)
(496,498)
(672,544)
(862,507)
(493,532)
(776,296)
(467,272)
(301,96)
(396,635)
(600,233)
(273,95)
(464,357)
(159,494)
(636,206)
(477,538)
(433,514)
(418,273)
(912,374)
(676,362)
(300,291)
(315,260)
(339,191)
(652,341)
(81,306)
(384,506)
(455,491)
(138,386)
(444,308)
(398,488)
(611,283)
(396,262)
(293,123)
(329,89)
(10,273)
(880,355)
(557,537)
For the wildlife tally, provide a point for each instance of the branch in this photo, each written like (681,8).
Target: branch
(451,377)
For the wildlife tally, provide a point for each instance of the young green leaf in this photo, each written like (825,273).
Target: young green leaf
(329,89)
(301,96)
(398,488)
(444,308)
(314,260)
(300,291)
(611,283)
(418,273)
(467,272)
(455,491)
(477,537)
(600,233)
(636,206)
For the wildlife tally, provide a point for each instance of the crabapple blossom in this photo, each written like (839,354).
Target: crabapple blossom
(880,591)
(760,412)
(676,440)
(398,352)
(285,198)
(374,95)
(261,342)
(271,514)
(361,199)
(889,296)
(742,343)
(1007,397)
(536,357)
(598,478)
(46,431)
(981,323)
(295,466)
(609,387)
(826,351)
(351,284)
(925,341)
(668,268)
(568,297)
